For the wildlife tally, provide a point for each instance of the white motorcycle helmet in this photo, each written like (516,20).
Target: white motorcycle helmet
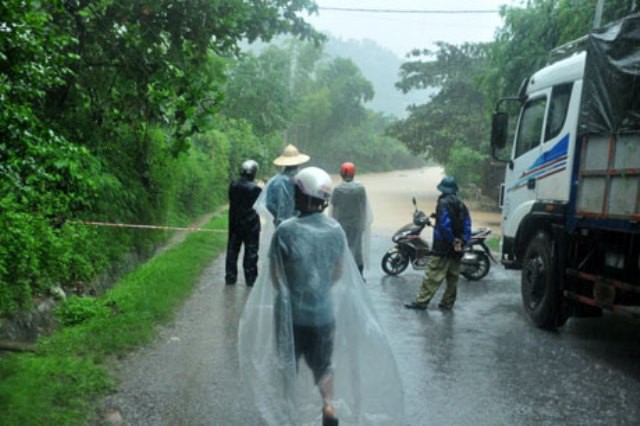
(314,182)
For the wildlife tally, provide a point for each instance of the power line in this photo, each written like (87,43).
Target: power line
(441,12)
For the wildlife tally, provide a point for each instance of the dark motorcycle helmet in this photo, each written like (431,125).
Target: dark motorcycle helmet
(448,185)
(248,169)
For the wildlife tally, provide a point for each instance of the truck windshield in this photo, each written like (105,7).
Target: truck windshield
(530,130)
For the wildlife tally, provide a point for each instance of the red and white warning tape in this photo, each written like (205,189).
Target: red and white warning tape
(128,225)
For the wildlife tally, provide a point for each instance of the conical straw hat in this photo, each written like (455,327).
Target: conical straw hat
(291,157)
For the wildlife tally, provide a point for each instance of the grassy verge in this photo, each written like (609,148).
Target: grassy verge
(493,243)
(59,383)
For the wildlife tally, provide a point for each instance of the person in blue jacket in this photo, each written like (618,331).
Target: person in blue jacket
(451,231)
(279,190)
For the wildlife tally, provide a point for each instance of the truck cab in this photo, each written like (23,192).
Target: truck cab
(542,154)
(571,194)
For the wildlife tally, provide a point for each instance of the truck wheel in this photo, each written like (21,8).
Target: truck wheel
(540,296)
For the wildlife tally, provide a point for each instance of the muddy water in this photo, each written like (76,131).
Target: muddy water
(390,196)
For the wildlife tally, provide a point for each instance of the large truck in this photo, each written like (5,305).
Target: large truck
(571,194)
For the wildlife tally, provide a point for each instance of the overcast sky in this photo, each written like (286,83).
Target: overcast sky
(402,32)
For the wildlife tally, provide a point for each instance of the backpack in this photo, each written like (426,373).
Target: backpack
(458,213)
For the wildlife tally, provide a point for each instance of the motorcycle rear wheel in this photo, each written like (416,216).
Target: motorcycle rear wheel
(394,262)
(478,273)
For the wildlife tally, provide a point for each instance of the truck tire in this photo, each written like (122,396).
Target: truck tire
(540,295)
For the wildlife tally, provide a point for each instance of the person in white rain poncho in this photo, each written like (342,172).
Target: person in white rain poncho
(310,303)
(350,207)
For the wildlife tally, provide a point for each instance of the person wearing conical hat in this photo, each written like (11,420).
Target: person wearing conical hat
(280,192)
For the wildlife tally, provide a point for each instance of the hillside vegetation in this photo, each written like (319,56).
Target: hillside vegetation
(140,112)
(452,127)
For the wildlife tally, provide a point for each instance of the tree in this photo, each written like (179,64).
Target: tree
(100,98)
(348,90)
(266,89)
(147,61)
(316,102)
(455,112)
(523,44)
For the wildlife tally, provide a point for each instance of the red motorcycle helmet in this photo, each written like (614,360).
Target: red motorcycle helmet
(348,170)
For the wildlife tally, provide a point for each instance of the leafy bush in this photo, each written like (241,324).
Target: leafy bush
(76,310)
(59,383)
(41,245)
(48,185)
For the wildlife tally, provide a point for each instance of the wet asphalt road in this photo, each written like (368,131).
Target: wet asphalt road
(481,364)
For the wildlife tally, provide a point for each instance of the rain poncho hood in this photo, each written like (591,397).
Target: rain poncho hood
(309,278)
(350,207)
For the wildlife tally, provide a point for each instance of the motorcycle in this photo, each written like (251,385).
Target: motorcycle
(410,248)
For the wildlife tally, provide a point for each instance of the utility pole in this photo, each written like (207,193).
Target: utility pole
(598,15)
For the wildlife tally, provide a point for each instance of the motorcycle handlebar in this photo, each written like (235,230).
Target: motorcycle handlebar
(421,219)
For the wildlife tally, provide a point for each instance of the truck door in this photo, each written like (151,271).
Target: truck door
(521,179)
(554,165)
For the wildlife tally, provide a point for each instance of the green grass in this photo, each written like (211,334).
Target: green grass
(493,243)
(59,384)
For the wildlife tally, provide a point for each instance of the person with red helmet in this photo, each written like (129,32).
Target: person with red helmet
(350,207)
(348,171)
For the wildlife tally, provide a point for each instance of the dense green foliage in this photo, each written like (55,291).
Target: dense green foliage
(142,111)
(317,102)
(57,384)
(453,127)
(109,113)
(455,113)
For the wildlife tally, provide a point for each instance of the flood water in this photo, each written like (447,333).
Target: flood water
(390,196)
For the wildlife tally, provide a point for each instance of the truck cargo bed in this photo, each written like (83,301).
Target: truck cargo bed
(608,186)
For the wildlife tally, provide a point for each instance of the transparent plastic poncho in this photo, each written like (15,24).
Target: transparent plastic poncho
(350,207)
(279,196)
(309,278)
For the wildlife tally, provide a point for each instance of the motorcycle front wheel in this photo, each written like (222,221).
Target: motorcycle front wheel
(479,270)
(394,262)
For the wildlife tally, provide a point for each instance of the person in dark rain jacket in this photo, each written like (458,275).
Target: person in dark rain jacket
(452,230)
(244,225)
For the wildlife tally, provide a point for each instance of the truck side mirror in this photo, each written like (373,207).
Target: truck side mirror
(499,126)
